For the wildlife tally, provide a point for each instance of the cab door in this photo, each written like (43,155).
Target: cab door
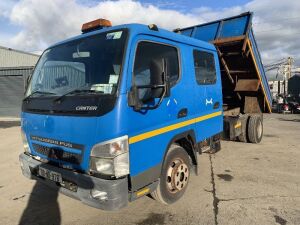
(209,94)
(151,130)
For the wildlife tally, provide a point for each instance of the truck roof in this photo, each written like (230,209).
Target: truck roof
(135,29)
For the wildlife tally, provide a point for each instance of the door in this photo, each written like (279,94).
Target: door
(209,94)
(151,130)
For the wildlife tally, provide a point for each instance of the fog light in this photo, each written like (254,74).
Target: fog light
(100,195)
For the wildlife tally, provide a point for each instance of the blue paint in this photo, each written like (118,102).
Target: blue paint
(233,27)
(207,33)
(123,120)
(229,27)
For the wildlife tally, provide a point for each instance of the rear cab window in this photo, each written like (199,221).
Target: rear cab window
(205,70)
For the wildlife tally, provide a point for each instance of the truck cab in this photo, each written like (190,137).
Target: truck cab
(120,112)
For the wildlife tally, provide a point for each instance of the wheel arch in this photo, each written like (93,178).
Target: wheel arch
(187,141)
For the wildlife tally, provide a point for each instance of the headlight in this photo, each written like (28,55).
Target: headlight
(111,157)
(25,142)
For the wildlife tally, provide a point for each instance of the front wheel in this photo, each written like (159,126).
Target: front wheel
(174,176)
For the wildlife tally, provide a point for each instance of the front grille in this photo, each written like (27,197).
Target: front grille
(58,154)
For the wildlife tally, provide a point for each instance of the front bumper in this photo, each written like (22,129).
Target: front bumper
(81,185)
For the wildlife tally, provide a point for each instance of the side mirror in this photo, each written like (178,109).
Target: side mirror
(159,77)
(157,73)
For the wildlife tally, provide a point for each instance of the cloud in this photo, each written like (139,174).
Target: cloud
(5,7)
(276,27)
(46,22)
(276,22)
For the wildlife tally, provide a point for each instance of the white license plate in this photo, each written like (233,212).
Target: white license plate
(48,174)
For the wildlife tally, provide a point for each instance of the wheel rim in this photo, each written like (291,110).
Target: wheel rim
(177,176)
(259,129)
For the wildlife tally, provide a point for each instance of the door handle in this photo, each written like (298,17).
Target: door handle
(216,105)
(182,113)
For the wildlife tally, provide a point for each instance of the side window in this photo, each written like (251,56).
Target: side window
(148,52)
(205,69)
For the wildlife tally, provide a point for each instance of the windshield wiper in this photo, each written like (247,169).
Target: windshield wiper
(38,92)
(75,91)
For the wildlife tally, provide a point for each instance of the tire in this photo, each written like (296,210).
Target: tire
(243,137)
(255,129)
(174,177)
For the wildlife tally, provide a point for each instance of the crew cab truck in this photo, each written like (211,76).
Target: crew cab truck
(120,112)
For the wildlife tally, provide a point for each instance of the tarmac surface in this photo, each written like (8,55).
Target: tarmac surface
(241,184)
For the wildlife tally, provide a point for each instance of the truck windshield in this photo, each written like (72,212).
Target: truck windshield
(91,63)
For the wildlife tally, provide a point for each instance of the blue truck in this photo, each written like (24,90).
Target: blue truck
(120,112)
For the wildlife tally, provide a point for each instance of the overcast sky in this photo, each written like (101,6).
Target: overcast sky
(32,25)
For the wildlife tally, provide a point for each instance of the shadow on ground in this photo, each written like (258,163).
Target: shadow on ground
(42,206)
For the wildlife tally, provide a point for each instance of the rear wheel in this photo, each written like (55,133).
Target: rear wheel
(174,176)
(255,129)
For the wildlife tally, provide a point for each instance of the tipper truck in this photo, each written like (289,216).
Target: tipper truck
(120,112)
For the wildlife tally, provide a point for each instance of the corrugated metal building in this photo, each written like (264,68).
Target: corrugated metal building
(15,67)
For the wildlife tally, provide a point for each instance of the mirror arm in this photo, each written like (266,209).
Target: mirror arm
(159,102)
(150,86)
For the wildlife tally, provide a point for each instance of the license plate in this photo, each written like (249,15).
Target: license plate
(48,174)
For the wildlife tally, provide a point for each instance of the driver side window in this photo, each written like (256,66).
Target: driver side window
(147,54)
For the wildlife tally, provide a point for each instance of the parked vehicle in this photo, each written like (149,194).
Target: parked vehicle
(285,108)
(294,107)
(120,112)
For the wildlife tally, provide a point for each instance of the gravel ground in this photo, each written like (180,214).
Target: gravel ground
(241,184)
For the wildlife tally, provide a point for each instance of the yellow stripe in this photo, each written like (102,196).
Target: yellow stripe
(208,116)
(259,75)
(175,126)
(142,192)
